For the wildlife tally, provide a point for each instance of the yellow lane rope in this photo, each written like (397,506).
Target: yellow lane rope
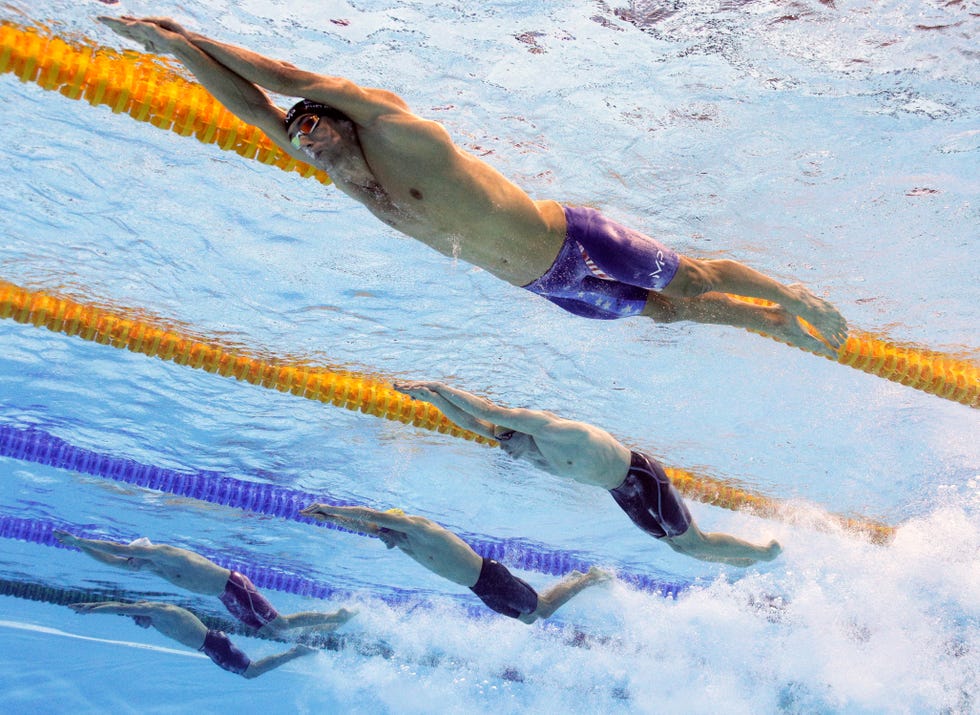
(928,370)
(147,89)
(344,389)
(723,493)
(143,86)
(353,391)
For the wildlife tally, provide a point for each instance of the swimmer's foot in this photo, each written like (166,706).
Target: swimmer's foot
(772,550)
(597,575)
(820,314)
(784,326)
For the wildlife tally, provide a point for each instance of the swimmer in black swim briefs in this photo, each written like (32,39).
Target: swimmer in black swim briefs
(445,554)
(184,627)
(407,171)
(592,456)
(197,574)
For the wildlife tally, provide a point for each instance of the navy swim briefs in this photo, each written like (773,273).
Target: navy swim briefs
(604,270)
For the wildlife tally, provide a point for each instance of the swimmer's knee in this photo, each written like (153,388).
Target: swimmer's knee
(693,278)
(661,309)
(687,541)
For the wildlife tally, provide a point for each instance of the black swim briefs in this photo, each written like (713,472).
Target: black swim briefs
(503,591)
(650,500)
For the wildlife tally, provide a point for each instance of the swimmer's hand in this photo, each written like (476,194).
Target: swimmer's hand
(328,514)
(336,515)
(84,608)
(421,391)
(168,24)
(64,537)
(318,511)
(149,33)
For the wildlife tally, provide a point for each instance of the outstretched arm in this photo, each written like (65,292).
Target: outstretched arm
(240,96)
(314,511)
(423,392)
(479,411)
(108,552)
(115,608)
(361,105)
(234,76)
(361,516)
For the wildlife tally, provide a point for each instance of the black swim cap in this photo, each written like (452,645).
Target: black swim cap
(305,106)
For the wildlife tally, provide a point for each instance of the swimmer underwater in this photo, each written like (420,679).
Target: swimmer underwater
(589,455)
(445,554)
(181,625)
(197,574)
(407,171)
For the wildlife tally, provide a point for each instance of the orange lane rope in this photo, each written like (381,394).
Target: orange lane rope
(934,372)
(345,389)
(722,493)
(140,85)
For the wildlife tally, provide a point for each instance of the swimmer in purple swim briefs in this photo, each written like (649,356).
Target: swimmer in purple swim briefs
(447,555)
(408,172)
(194,573)
(181,625)
(590,455)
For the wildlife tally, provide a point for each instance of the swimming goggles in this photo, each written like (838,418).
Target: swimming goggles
(505,435)
(305,126)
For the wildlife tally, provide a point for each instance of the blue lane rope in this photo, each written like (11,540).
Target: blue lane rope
(35,445)
(41,532)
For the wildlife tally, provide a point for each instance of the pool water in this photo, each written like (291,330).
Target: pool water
(835,144)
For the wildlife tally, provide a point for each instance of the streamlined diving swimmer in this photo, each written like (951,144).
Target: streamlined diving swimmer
(408,172)
(590,455)
(447,555)
(181,625)
(197,574)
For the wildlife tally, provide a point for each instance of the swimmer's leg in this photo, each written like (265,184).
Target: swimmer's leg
(264,665)
(309,619)
(696,277)
(721,548)
(562,592)
(719,309)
